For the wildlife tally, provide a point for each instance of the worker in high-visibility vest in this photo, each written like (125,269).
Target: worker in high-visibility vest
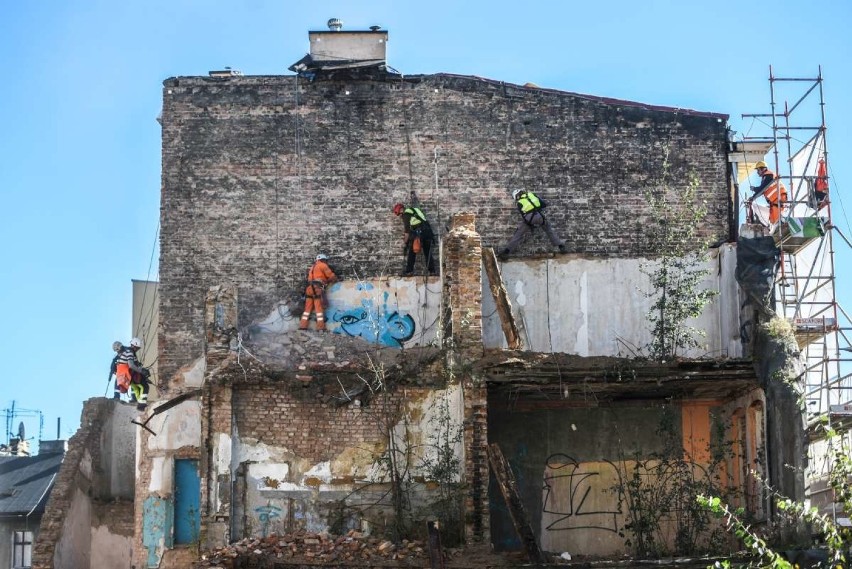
(772,189)
(531,207)
(129,372)
(418,237)
(122,386)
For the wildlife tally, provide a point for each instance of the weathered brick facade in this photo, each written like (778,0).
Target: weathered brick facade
(312,430)
(261,173)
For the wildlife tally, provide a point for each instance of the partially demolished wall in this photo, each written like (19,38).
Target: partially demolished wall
(259,177)
(290,431)
(88,519)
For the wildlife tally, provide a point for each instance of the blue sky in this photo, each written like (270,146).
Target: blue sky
(80,146)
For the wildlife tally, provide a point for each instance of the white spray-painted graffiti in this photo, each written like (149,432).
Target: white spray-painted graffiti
(377,324)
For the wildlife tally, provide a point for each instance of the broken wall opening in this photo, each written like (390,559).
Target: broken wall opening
(585,457)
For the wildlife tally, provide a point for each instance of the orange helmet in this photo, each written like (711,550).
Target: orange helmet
(398,208)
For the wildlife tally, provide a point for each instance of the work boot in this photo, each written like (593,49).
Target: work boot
(142,406)
(562,248)
(502,254)
(116,396)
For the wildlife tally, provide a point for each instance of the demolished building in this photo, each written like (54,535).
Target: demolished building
(386,421)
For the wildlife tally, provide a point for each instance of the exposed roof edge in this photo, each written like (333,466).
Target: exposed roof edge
(420,77)
(605,100)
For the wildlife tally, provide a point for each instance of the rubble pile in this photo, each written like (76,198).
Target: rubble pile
(317,548)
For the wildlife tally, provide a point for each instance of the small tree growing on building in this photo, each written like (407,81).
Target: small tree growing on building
(679,267)
(442,466)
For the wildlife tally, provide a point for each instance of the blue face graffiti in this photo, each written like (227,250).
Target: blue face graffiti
(388,328)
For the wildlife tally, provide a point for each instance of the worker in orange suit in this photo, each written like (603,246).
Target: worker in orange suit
(320,276)
(821,185)
(772,189)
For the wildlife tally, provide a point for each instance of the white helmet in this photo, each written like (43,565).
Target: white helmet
(116,346)
(516,192)
(322,257)
(136,343)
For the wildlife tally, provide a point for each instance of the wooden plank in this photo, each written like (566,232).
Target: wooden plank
(501,299)
(436,553)
(509,489)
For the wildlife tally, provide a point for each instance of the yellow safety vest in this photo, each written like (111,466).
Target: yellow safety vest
(417,216)
(529,202)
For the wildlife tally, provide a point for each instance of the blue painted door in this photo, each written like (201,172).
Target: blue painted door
(187,501)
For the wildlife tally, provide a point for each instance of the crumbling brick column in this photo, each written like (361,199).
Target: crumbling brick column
(462,324)
(217,426)
(220,323)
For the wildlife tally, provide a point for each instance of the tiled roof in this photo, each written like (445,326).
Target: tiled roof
(24,481)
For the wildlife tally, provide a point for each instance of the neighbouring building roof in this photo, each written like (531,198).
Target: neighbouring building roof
(25,482)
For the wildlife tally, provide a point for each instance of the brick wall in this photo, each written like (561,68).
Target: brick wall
(312,430)
(261,173)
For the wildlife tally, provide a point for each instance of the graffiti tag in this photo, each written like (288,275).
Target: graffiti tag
(577,495)
(266,514)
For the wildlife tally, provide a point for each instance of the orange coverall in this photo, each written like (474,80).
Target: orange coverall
(769,187)
(319,275)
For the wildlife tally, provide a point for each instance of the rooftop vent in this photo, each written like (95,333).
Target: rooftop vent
(334,50)
(227,72)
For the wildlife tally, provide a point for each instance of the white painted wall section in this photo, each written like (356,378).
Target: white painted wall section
(162,476)
(109,549)
(599,307)
(194,377)
(176,428)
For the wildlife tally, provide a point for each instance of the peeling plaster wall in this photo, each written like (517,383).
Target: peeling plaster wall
(584,306)
(179,427)
(118,454)
(290,473)
(178,435)
(110,549)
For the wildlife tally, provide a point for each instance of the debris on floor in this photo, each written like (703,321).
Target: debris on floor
(317,548)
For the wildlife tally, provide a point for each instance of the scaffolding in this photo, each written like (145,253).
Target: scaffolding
(805,283)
